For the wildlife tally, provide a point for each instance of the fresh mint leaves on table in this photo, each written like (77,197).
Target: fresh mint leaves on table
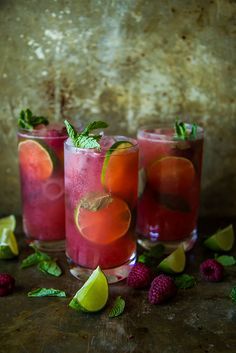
(118,307)
(233,294)
(47,292)
(45,263)
(150,257)
(84,139)
(50,267)
(182,132)
(226,260)
(29,121)
(185,281)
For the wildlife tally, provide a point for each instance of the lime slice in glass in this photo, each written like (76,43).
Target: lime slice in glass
(8,222)
(223,240)
(175,262)
(93,295)
(8,244)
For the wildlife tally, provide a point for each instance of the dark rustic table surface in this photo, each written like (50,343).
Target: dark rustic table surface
(200,319)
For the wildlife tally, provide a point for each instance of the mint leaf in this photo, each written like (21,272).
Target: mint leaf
(233,294)
(47,292)
(150,257)
(182,132)
(29,121)
(118,307)
(34,259)
(185,281)
(83,139)
(156,251)
(226,260)
(50,267)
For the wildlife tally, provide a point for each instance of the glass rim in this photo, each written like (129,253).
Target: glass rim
(120,138)
(36,134)
(161,131)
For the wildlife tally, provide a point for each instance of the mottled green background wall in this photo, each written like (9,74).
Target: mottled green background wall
(128,62)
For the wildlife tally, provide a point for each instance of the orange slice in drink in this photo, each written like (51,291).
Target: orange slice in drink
(119,172)
(102,218)
(171,175)
(35,160)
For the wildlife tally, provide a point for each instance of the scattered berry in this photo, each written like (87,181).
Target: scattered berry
(162,289)
(7,284)
(211,270)
(140,276)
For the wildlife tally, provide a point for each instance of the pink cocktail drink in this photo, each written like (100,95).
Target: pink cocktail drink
(169,187)
(101,197)
(41,161)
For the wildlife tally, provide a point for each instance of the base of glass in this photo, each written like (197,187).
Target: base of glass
(113,275)
(170,246)
(50,246)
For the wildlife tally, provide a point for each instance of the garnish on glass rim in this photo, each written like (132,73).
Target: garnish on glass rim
(29,121)
(182,133)
(84,139)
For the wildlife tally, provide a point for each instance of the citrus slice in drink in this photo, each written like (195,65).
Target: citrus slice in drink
(171,175)
(102,218)
(119,172)
(8,222)
(93,295)
(8,244)
(223,240)
(175,262)
(35,160)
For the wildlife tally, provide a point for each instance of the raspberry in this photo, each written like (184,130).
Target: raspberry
(7,284)
(140,276)
(211,270)
(162,289)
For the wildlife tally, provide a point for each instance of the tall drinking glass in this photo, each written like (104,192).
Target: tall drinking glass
(169,187)
(101,197)
(41,161)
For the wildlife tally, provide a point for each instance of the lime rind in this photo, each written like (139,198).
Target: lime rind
(175,262)
(93,295)
(117,146)
(222,240)
(8,244)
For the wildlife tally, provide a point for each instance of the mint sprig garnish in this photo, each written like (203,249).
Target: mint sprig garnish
(185,281)
(84,139)
(47,292)
(150,257)
(34,259)
(118,307)
(182,133)
(29,121)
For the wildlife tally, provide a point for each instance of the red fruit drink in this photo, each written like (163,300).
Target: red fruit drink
(169,187)
(41,160)
(101,197)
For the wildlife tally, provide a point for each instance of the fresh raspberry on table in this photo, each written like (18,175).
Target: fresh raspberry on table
(140,276)
(211,270)
(162,289)
(7,284)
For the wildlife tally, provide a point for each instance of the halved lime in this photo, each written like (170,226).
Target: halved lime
(175,262)
(223,240)
(93,295)
(8,222)
(8,244)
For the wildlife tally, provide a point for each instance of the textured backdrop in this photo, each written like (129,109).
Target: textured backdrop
(128,62)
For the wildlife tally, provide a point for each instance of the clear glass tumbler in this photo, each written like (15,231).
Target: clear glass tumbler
(41,161)
(169,187)
(101,197)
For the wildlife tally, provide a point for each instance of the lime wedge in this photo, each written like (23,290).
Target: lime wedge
(93,295)
(175,262)
(223,240)
(8,244)
(8,222)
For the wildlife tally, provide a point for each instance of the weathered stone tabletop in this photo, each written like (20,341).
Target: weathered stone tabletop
(200,319)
